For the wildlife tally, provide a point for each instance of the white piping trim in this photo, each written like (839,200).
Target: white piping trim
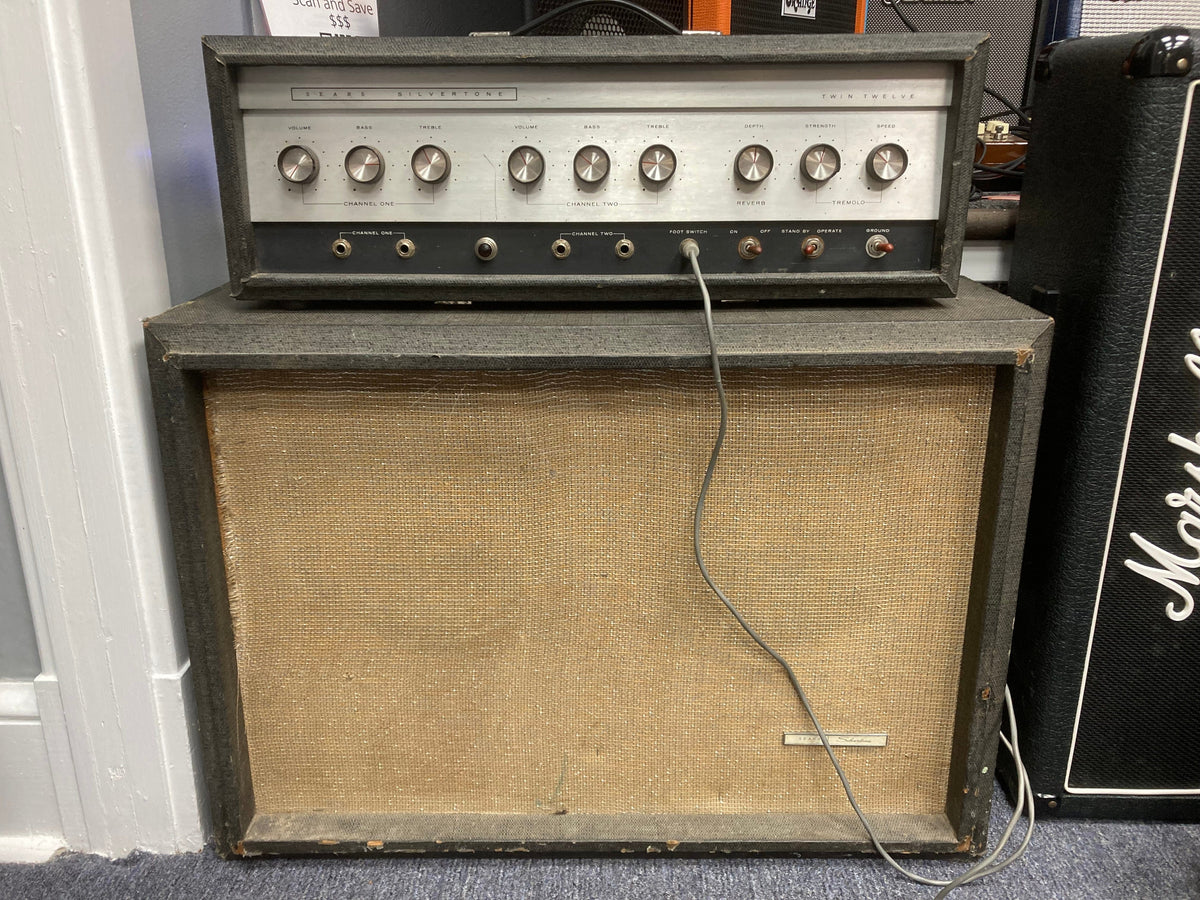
(1137,383)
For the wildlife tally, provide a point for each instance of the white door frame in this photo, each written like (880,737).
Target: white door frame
(81,263)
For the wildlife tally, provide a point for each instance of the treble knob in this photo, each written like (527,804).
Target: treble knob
(431,164)
(820,162)
(887,162)
(297,164)
(754,163)
(525,165)
(364,165)
(658,163)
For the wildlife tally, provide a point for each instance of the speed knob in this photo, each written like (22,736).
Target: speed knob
(658,163)
(297,164)
(887,162)
(431,164)
(754,163)
(364,165)
(525,165)
(820,163)
(591,165)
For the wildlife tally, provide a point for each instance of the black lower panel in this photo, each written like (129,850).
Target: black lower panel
(525,248)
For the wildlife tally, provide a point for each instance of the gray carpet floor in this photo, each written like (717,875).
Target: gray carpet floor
(1068,859)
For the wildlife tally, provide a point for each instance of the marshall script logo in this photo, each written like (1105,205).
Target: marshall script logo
(1178,573)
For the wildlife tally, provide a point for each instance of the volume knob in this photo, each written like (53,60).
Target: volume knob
(431,164)
(887,162)
(820,163)
(525,165)
(297,164)
(754,163)
(364,165)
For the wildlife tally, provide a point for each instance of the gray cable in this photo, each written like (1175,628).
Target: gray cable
(691,251)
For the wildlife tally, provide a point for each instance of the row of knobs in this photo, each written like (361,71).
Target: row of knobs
(753,164)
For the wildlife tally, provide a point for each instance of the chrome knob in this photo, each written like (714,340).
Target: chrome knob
(820,162)
(297,164)
(887,162)
(364,165)
(754,163)
(591,165)
(525,165)
(658,163)
(431,164)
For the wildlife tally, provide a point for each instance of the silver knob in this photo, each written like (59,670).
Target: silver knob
(591,165)
(820,162)
(297,164)
(525,165)
(431,164)
(658,163)
(754,163)
(364,165)
(887,162)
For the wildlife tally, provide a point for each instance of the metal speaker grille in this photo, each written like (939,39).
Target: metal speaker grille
(1012,25)
(1103,17)
(600,18)
(474,593)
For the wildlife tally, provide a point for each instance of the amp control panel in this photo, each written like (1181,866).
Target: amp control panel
(544,168)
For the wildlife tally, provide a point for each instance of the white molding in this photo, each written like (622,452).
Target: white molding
(32,848)
(18,700)
(81,264)
(987,261)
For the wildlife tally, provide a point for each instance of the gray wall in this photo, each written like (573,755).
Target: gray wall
(18,644)
(167,33)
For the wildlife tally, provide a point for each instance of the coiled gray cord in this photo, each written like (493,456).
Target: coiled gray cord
(986,866)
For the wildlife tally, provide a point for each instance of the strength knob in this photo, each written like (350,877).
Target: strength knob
(431,164)
(525,165)
(658,163)
(887,162)
(821,162)
(364,165)
(297,164)
(754,163)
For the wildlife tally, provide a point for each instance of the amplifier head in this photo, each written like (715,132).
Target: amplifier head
(440,595)
(538,167)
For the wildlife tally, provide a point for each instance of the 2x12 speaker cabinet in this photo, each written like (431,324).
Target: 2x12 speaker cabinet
(440,596)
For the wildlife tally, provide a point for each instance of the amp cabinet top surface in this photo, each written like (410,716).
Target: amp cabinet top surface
(978,326)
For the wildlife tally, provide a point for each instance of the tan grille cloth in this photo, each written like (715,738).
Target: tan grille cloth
(475,592)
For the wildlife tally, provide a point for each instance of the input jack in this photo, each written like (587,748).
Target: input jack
(624,248)
(341,248)
(750,248)
(405,248)
(561,248)
(486,248)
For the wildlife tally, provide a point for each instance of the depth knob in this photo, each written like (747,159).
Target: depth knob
(658,163)
(887,162)
(820,163)
(591,165)
(297,164)
(431,164)
(364,165)
(525,165)
(754,163)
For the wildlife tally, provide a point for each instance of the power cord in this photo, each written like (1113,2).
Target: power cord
(986,866)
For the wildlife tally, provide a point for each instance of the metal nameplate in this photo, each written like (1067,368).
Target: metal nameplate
(847,739)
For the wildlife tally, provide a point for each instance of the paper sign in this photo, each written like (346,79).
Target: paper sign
(322,18)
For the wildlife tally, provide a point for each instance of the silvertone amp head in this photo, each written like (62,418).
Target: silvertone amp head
(558,168)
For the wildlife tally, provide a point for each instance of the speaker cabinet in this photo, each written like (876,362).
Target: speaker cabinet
(440,595)
(1107,653)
